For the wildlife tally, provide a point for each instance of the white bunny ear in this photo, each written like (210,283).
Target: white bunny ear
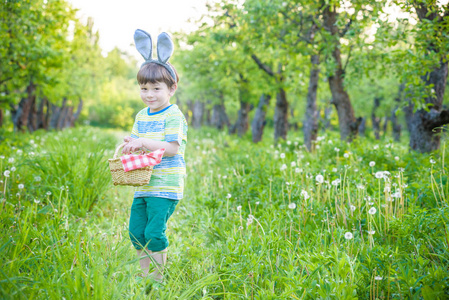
(164,47)
(144,43)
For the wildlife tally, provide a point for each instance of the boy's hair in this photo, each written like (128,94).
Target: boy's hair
(153,73)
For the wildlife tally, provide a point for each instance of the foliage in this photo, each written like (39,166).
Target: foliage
(264,223)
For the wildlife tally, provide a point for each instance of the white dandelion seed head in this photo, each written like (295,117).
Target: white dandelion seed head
(371,232)
(352,208)
(334,170)
(2,157)
(289,143)
(372,211)
(336,149)
(17,194)
(336,182)
(239,208)
(48,193)
(228,196)
(298,170)
(250,217)
(240,227)
(225,176)
(13,169)
(372,163)
(346,155)
(11,160)
(319,178)
(282,155)
(20,186)
(360,186)
(6,173)
(283,167)
(432,161)
(37,178)
(292,205)
(293,164)
(396,158)
(305,194)
(257,203)
(376,147)
(379,175)
(348,235)
(378,278)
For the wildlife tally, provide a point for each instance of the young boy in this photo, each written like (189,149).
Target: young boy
(159,125)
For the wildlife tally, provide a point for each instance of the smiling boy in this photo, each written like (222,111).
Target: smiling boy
(159,125)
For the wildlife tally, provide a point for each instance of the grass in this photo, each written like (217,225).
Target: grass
(257,221)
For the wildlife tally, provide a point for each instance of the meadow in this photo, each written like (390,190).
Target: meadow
(366,220)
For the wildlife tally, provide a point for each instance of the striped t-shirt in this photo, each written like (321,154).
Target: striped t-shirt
(169,125)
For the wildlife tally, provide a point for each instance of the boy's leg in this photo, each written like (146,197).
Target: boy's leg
(144,261)
(137,224)
(159,211)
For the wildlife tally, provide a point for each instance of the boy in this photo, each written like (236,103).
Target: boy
(159,125)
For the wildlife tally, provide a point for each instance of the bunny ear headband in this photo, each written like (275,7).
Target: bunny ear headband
(144,45)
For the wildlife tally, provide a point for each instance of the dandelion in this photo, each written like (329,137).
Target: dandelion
(336,182)
(48,193)
(283,167)
(11,160)
(334,170)
(376,147)
(240,227)
(372,211)
(2,157)
(372,164)
(336,149)
(6,173)
(371,232)
(282,155)
(352,208)
(319,178)
(225,176)
(20,186)
(396,158)
(36,201)
(292,205)
(432,161)
(360,186)
(305,194)
(298,170)
(228,196)
(379,175)
(37,178)
(249,221)
(19,151)
(17,194)
(346,155)
(239,208)
(293,164)
(348,235)
(13,169)
(378,278)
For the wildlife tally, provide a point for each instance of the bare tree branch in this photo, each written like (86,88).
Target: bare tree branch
(262,66)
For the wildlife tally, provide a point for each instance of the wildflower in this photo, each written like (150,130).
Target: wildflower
(11,160)
(348,235)
(239,207)
(376,147)
(17,194)
(19,151)
(319,178)
(2,156)
(401,169)
(6,173)
(360,186)
(228,196)
(346,155)
(305,194)
(334,170)
(372,163)
(298,170)
(13,169)
(282,155)
(293,164)
(371,232)
(20,186)
(372,211)
(225,176)
(37,178)
(352,208)
(396,158)
(336,182)
(257,203)
(336,149)
(356,170)
(396,194)
(283,167)
(289,143)
(378,278)
(48,193)
(432,161)
(31,153)
(36,201)
(249,221)
(292,205)
(379,174)
(240,228)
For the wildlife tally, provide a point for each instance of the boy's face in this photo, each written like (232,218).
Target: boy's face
(156,95)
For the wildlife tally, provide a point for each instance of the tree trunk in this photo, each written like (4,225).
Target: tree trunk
(197,114)
(241,125)
(1,117)
(327,117)
(259,122)
(281,116)
(376,120)
(394,119)
(346,120)
(77,113)
(62,115)
(311,117)
(385,126)
(22,113)
(362,127)
(219,117)
(425,126)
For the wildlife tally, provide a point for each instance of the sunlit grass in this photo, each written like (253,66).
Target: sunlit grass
(349,221)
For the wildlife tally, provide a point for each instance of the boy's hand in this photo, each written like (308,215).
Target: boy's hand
(128,139)
(133,146)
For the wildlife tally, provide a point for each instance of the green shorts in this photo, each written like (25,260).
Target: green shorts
(148,222)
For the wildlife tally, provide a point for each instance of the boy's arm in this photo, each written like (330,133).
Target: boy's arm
(171,148)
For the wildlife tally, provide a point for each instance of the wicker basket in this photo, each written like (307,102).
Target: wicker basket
(136,177)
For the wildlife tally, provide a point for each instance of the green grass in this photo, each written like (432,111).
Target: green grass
(248,228)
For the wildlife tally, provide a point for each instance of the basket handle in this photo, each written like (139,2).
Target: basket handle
(118,148)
